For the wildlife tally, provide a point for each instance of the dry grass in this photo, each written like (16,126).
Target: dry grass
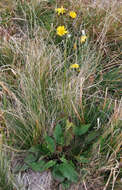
(38,89)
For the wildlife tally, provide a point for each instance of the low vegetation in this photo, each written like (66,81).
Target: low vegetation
(60,91)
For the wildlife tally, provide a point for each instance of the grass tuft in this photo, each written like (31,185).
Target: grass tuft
(60,96)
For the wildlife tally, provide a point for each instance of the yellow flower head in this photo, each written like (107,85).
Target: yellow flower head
(72,14)
(60,10)
(61,30)
(83,38)
(75,46)
(74,66)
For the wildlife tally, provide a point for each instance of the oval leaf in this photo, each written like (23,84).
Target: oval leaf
(35,149)
(82,129)
(57,175)
(50,144)
(58,135)
(68,172)
(37,166)
(30,158)
(49,164)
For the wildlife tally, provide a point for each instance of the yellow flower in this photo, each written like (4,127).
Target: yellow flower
(61,30)
(75,46)
(74,66)
(83,38)
(60,10)
(72,14)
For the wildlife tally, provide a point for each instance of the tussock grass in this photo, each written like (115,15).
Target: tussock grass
(5,176)
(38,90)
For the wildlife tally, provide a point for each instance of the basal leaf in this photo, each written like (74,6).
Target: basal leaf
(66,184)
(63,159)
(35,149)
(44,150)
(30,158)
(81,130)
(68,172)
(38,166)
(68,137)
(49,164)
(42,165)
(68,125)
(57,175)
(58,135)
(50,144)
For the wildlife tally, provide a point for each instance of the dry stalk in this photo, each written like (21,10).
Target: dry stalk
(13,149)
(84,185)
(76,112)
(109,178)
(106,92)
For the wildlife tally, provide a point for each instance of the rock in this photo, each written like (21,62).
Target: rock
(31,180)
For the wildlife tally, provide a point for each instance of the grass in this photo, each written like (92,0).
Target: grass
(5,176)
(71,117)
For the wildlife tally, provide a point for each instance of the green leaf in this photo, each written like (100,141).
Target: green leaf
(82,129)
(30,158)
(41,165)
(66,185)
(49,164)
(50,144)
(35,149)
(68,137)
(63,159)
(69,125)
(51,1)
(76,148)
(58,135)
(37,166)
(57,175)
(44,150)
(68,172)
